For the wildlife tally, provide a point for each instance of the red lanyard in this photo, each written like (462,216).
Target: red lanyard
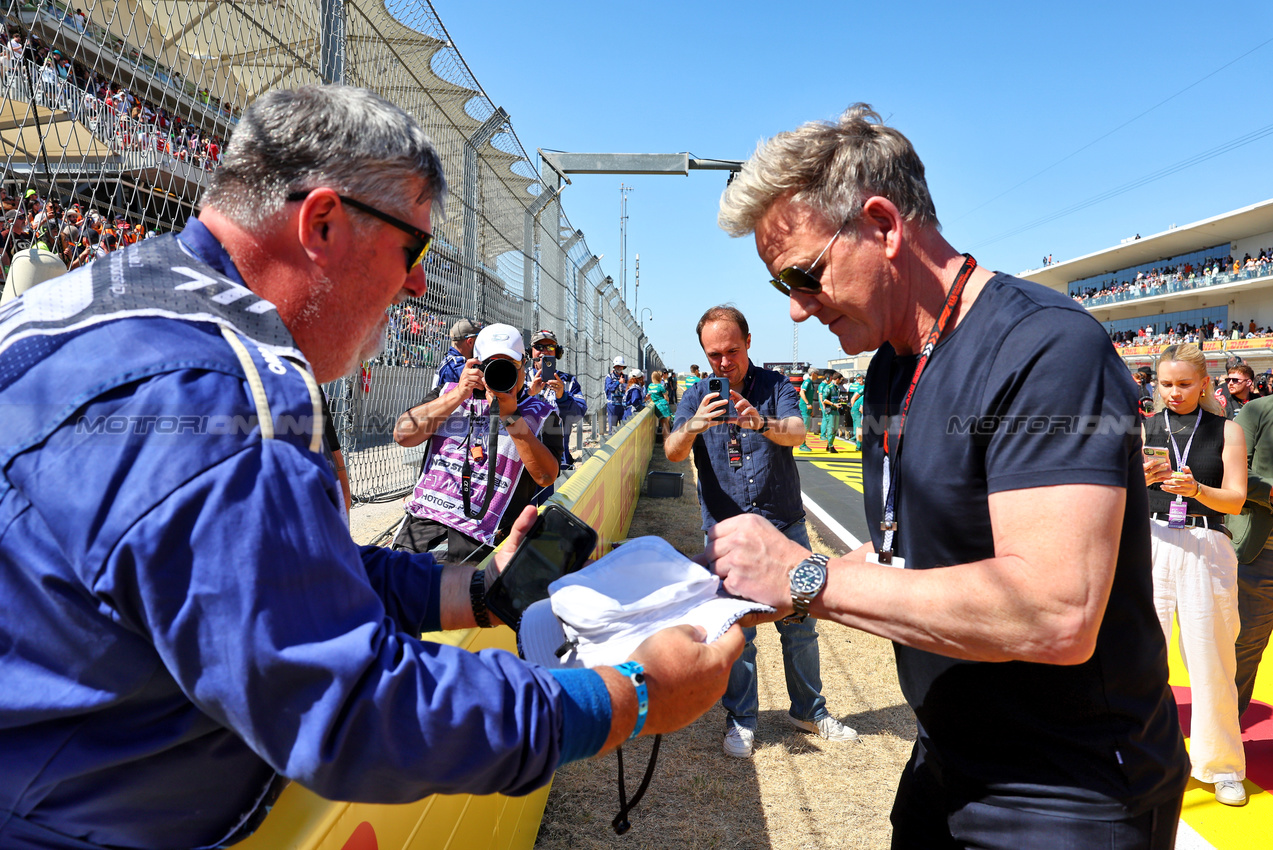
(889,524)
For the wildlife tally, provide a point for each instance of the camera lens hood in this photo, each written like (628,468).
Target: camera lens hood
(500,375)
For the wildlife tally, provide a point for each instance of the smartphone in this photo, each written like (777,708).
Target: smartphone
(721,387)
(1156,453)
(557,544)
(547,368)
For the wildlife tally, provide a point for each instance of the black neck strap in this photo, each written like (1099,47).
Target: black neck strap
(620,822)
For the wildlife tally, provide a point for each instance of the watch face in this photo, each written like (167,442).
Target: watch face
(808,577)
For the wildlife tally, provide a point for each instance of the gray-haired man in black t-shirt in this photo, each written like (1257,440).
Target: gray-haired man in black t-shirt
(1009,558)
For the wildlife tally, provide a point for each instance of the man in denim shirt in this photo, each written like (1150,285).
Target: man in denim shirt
(745,465)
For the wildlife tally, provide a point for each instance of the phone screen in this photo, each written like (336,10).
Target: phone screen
(559,543)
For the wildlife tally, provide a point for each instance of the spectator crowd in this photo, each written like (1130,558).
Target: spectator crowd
(115,114)
(1174,278)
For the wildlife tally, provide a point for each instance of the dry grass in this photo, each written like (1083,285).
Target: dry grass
(798,791)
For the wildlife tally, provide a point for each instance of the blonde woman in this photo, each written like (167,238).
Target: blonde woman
(1201,478)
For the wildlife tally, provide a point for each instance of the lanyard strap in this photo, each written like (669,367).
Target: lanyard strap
(889,525)
(1181,458)
(466,468)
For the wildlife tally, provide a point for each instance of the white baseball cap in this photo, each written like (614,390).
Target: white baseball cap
(499,339)
(601,614)
(619,361)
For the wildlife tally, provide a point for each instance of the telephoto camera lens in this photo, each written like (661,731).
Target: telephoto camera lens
(500,375)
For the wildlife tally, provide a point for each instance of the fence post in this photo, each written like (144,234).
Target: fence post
(474,278)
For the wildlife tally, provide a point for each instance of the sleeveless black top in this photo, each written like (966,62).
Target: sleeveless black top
(1205,459)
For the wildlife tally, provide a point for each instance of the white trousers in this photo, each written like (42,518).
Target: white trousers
(1196,577)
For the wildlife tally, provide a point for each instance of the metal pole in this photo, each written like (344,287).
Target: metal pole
(333,40)
(472,198)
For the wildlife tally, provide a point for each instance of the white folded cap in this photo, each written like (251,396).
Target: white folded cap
(601,614)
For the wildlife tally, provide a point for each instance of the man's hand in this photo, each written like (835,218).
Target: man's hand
(558,388)
(754,559)
(685,677)
(521,527)
(471,379)
(705,417)
(748,416)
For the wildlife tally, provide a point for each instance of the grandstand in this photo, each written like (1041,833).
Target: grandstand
(123,107)
(1210,281)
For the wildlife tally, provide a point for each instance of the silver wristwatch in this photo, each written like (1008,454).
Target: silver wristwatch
(807,580)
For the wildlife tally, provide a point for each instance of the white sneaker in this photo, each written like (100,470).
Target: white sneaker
(1231,792)
(827,727)
(740,741)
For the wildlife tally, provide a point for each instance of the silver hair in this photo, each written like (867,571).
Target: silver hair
(346,138)
(831,167)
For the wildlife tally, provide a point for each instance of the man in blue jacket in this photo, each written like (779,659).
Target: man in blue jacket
(562,389)
(205,630)
(616,389)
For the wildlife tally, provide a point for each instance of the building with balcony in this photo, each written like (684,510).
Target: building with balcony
(1210,281)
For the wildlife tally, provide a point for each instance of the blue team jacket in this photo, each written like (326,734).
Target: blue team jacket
(186,622)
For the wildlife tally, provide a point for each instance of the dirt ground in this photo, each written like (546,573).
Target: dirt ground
(797,791)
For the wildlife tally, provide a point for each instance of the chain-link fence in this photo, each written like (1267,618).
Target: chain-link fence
(122,108)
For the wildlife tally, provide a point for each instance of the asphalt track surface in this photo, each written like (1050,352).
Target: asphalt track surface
(831,485)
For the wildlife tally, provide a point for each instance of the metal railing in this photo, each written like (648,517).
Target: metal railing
(1171,285)
(504,251)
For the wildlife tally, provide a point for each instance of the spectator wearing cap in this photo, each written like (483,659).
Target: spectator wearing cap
(562,389)
(616,388)
(501,470)
(15,236)
(463,336)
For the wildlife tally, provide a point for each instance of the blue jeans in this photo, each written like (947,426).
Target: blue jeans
(1255,611)
(799,660)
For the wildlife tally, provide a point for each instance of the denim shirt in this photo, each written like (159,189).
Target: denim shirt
(767,483)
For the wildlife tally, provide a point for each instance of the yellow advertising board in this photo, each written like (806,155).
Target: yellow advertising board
(603,492)
(1216,346)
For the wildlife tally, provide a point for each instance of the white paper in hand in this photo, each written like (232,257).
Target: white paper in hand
(601,614)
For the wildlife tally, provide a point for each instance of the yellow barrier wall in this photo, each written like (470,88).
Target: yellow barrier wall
(603,492)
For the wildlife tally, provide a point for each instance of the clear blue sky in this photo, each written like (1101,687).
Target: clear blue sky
(990,94)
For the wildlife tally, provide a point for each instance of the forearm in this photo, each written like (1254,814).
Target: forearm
(420,422)
(1226,500)
(981,611)
(679,443)
(786,432)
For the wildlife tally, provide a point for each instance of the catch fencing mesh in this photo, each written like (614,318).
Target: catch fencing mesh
(123,108)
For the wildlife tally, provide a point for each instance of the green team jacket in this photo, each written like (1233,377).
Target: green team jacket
(1252,527)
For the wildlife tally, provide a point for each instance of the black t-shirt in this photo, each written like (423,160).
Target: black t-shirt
(1028,392)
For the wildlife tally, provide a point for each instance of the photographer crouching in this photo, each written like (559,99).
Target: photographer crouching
(483,430)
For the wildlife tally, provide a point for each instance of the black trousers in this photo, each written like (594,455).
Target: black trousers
(928,816)
(421,535)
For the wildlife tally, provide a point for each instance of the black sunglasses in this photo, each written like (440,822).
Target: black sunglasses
(802,280)
(415,253)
